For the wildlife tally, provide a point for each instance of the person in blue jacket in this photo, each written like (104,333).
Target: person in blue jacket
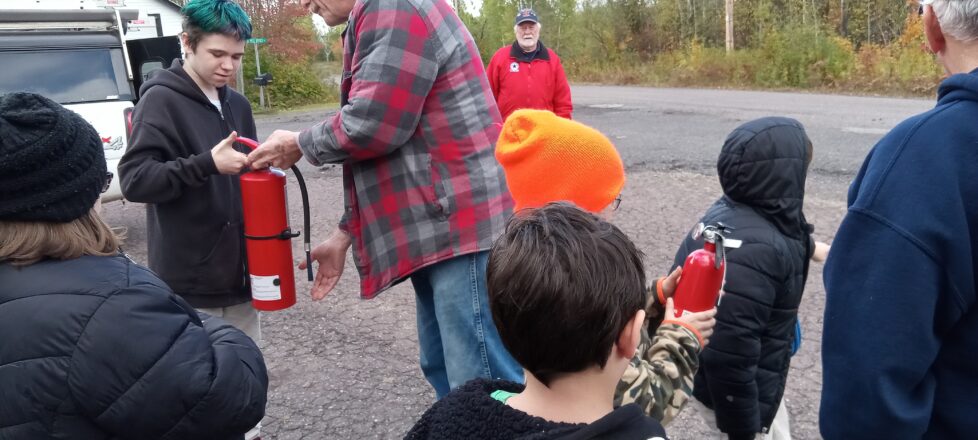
(900,343)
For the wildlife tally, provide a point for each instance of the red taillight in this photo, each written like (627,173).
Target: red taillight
(127,114)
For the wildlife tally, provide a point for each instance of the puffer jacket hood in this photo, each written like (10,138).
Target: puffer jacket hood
(764,164)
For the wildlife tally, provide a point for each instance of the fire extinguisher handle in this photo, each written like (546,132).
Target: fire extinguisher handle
(248,142)
(721,256)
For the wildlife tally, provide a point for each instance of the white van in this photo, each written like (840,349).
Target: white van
(80,58)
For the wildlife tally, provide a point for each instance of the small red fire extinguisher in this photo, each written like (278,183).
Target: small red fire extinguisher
(704,270)
(268,235)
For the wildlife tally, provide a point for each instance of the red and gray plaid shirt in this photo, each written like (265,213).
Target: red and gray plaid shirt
(415,134)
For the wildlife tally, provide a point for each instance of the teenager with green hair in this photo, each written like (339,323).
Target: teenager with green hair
(201,17)
(183,164)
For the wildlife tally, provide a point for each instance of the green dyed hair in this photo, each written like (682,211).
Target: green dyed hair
(202,17)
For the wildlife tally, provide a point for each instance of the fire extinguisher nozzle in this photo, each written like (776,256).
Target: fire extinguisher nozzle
(309,264)
(308,260)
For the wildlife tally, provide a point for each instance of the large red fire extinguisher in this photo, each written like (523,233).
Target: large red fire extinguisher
(704,270)
(268,236)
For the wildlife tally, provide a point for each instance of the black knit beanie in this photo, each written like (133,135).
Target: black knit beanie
(52,167)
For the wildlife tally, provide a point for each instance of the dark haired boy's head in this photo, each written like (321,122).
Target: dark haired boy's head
(563,286)
(202,17)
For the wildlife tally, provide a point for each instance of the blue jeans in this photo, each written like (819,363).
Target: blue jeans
(458,338)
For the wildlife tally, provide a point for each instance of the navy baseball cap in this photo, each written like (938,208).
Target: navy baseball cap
(526,15)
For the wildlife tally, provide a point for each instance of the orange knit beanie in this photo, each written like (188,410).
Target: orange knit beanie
(548,158)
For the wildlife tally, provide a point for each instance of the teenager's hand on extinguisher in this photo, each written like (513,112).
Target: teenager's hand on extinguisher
(226,158)
(280,150)
(331,256)
(703,322)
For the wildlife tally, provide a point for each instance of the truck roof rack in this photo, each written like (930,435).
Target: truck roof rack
(65,19)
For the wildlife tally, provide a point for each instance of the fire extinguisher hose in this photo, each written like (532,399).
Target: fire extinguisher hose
(305,219)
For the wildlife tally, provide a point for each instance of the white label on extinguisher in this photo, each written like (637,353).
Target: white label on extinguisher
(266,288)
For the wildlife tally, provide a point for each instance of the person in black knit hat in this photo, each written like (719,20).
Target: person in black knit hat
(94,345)
(53,167)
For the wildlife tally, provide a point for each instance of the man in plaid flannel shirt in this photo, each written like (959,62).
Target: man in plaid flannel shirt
(424,195)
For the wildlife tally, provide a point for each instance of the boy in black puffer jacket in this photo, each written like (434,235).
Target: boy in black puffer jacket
(567,293)
(762,169)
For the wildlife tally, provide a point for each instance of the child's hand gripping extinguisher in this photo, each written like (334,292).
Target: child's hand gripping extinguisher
(268,234)
(704,270)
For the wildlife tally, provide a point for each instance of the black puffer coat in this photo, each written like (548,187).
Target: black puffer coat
(762,169)
(99,348)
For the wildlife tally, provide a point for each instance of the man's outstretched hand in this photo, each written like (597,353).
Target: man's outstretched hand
(331,256)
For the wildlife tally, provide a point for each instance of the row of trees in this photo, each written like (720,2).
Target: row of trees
(645,28)
(869,45)
(848,45)
(293,45)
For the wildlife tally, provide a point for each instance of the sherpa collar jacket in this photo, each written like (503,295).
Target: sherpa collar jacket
(470,412)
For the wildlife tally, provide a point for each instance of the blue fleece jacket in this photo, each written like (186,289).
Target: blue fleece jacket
(900,344)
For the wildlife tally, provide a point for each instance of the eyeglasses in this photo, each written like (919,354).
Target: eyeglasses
(616,203)
(108,182)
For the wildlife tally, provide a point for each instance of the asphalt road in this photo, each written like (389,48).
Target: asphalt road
(345,368)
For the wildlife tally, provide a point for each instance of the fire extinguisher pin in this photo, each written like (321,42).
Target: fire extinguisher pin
(717,234)
(711,233)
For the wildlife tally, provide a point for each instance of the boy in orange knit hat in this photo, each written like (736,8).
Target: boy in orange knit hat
(547,158)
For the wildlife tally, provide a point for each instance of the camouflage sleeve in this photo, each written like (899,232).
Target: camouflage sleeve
(660,376)
(655,308)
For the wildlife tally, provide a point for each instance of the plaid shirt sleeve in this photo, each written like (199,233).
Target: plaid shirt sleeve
(393,69)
